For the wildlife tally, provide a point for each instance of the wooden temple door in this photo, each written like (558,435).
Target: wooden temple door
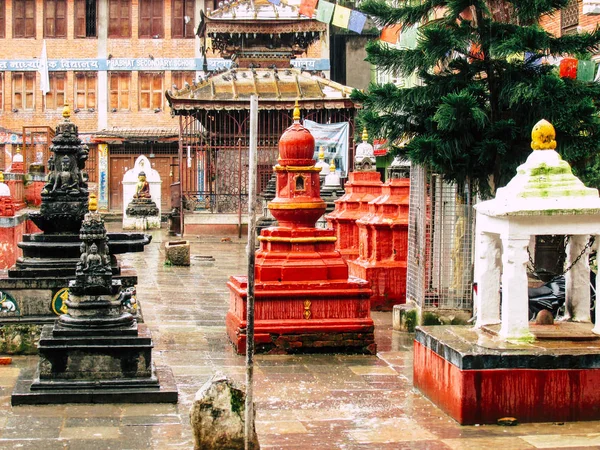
(119,164)
(162,164)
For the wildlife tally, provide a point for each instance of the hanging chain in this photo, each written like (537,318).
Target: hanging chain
(585,248)
(531,264)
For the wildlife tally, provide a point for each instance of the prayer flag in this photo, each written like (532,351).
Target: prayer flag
(357,21)
(568,68)
(307,7)
(341,16)
(43,70)
(275,2)
(408,37)
(325,11)
(390,34)
(585,70)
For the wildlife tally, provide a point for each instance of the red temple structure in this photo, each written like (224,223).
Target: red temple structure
(383,244)
(363,185)
(304,299)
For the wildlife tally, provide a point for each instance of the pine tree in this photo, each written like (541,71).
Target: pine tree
(484,86)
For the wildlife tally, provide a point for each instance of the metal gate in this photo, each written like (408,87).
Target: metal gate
(214,154)
(440,243)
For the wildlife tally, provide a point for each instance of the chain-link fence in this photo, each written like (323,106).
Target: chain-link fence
(440,243)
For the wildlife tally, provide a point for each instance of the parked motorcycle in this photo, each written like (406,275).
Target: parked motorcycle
(551,296)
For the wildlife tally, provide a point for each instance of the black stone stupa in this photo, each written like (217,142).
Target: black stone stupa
(96,352)
(39,278)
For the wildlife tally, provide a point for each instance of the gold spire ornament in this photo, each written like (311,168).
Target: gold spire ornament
(332,165)
(66,111)
(93,203)
(1,177)
(296,115)
(365,135)
(543,136)
(321,153)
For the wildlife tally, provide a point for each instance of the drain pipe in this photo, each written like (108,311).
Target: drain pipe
(250,250)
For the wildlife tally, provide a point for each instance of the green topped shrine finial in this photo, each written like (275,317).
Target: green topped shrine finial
(543,136)
(296,115)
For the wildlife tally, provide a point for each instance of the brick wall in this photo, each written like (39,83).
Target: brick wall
(551,23)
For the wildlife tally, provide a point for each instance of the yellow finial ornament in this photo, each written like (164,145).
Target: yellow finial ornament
(542,136)
(365,135)
(321,153)
(296,115)
(66,111)
(332,165)
(93,203)
(1,177)
(18,149)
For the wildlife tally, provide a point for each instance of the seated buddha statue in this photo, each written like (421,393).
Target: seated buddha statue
(142,189)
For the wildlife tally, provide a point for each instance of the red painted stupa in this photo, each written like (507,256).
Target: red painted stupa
(363,185)
(304,299)
(383,244)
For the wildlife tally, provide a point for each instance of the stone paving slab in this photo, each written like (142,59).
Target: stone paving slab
(350,402)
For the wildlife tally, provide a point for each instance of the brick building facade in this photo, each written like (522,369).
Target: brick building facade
(112,61)
(570,20)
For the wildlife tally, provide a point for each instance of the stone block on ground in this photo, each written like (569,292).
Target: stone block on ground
(178,252)
(404,317)
(217,416)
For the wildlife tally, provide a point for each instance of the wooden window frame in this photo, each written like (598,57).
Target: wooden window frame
(179,29)
(52,101)
(154,93)
(2,19)
(116,97)
(23,27)
(179,77)
(151,22)
(85,20)
(55,26)
(85,88)
(116,23)
(22,90)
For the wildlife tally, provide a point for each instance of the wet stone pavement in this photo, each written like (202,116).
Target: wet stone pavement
(303,402)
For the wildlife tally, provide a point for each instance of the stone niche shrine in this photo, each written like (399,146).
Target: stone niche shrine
(304,299)
(507,366)
(141,196)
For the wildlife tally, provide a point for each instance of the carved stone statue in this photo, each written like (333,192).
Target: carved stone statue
(142,188)
(66,181)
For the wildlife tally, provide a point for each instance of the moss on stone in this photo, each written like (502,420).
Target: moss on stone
(237,401)
(19,339)
(410,320)
(429,318)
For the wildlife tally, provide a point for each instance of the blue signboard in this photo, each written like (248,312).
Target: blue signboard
(133,64)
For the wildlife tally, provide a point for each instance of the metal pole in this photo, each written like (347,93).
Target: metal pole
(249,419)
(240,188)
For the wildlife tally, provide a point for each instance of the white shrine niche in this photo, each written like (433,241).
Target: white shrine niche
(544,198)
(130,180)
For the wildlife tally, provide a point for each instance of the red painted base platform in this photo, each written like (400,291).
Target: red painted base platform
(387,280)
(303,317)
(477,380)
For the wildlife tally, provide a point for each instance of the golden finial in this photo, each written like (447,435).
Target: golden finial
(332,165)
(321,153)
(365,135)
(542,136)
(66,111)
(93,203)
(1,177)
(18,149)
(296,115)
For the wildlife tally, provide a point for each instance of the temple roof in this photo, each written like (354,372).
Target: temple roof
(276,89)
(253,16)
(120,134)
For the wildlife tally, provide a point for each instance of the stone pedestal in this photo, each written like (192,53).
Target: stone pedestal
(141,214)
(95,353)
(361,188)
(304,299)
(383,243)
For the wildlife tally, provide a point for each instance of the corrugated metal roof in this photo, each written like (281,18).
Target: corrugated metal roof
(141,134)
(271,85)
